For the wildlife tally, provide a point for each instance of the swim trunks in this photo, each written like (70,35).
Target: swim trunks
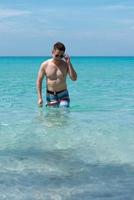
(57,99)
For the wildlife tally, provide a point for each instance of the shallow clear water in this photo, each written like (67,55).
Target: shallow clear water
(84,152)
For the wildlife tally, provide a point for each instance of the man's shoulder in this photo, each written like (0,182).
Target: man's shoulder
(46,62)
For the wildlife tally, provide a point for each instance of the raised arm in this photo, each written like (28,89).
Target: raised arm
(72,73)
(40,77)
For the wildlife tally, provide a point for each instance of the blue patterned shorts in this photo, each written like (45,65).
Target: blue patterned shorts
(57,99)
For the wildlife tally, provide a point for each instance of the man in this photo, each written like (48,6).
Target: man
(56,70)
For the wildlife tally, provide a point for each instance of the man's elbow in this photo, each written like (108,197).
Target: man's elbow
(74,78)
(38,83)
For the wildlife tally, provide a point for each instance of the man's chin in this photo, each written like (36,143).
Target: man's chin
(56,59)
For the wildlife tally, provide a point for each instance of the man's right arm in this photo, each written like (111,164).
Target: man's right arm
(40,77)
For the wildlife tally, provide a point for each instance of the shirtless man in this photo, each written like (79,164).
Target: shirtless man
(56,70)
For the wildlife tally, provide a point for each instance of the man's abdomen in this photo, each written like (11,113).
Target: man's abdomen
(56,85)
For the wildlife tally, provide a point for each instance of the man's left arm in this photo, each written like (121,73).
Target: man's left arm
(72,73)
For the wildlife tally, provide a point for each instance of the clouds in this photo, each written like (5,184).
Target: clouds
(7,12)
(115,7)
(32,23)
(10,20)
(64,17)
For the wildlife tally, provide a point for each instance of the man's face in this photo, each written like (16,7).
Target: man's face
(57,54)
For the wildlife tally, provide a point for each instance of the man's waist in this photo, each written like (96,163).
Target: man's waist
(56,92)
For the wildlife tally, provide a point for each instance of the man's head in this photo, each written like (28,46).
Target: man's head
(58,50)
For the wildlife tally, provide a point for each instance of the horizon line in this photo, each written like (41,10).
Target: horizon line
(70,56)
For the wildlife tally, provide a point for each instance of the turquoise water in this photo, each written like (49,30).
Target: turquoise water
(86,152)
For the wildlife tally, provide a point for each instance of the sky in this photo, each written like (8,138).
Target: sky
(86,27)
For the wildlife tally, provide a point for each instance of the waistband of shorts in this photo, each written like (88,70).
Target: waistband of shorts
(54,93)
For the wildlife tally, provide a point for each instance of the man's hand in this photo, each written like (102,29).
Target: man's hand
(40,102)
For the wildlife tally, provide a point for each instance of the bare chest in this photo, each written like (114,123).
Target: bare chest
(54,72)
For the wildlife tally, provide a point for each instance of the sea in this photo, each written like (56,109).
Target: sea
(85,152)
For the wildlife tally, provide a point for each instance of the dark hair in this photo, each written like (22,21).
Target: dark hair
(60,46)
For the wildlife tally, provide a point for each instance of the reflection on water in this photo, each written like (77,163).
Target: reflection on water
(64,155)
(58,174)
(54,117)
